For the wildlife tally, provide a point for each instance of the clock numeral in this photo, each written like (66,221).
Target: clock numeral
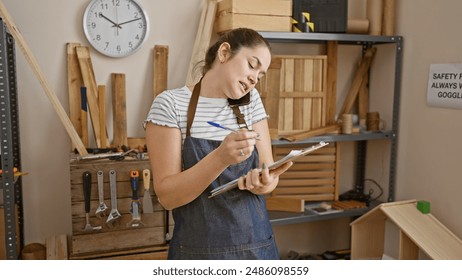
(98,37)
(104,6)
(93,25)
(130,45)
(116,3)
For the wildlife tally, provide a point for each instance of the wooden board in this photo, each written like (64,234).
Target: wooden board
(74,82)
(312,178)
(57,248)
(158,252)
(203,38)
(360,75)
(288,204)
(119,110)
(102,115)
(331,86)
(294,94)
(89,80)
(160,69)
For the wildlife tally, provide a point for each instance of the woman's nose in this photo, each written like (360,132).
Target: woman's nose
(252,80)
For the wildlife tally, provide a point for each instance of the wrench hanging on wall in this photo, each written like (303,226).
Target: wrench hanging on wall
(114,215)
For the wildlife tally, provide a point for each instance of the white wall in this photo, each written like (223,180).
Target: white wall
(428,151)
(47,26)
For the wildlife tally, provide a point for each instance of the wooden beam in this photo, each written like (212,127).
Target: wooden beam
(331,90)
(160,69)
(357,81)
(119,109)
(74,84)
(88,76)
(203,37)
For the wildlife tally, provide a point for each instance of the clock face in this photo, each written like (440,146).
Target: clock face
(116,28)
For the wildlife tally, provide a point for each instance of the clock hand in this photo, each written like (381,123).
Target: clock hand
(106,18)
(128,21)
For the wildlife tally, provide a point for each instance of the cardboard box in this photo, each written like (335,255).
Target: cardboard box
(261,15)
(328,16)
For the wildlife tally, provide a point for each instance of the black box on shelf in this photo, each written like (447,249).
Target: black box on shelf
(327,16)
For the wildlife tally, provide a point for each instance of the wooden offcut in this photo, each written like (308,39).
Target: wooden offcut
(89,80)
(160,69)
(203,38)
(331,84)
(102,116)
(74,83)
(363,100)
(334,128)
(56,247)
(294,94)
(287,204)
(119,109)
(360,75)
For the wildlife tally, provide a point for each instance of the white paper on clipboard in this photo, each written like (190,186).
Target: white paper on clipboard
(292,156)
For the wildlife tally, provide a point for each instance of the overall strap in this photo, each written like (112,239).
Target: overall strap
(240,118)
(192,107)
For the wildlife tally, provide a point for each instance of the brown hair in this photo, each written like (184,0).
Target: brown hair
(236,38)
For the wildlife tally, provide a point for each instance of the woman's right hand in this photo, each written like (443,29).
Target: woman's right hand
(237,146)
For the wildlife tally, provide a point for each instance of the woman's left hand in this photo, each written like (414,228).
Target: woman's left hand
(262,183)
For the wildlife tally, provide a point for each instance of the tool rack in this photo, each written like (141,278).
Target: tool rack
(11,201)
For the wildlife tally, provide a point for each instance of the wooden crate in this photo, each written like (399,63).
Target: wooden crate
(261,15)
(294,94)
(119,239)
(313,177)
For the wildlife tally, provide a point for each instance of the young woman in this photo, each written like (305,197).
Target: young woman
(190,157)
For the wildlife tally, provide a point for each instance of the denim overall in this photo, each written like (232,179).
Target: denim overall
(233,225)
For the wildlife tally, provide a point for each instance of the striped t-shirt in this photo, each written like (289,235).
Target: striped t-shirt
(170,109)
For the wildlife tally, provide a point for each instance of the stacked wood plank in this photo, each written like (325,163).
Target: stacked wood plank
(311,178)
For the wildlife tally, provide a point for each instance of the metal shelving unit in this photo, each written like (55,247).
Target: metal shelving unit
(11,199)
(366,41)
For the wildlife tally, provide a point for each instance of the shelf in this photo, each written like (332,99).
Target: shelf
(382,135)
(278,218)
(352,39)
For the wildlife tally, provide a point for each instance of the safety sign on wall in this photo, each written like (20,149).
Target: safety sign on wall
(445,85)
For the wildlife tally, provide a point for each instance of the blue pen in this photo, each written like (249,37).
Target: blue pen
(222,127)
(226,128)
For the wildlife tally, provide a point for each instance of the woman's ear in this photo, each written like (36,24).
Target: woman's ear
(224,52)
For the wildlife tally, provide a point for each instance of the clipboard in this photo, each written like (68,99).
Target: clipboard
(292,156)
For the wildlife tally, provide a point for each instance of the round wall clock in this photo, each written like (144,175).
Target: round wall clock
(116,28)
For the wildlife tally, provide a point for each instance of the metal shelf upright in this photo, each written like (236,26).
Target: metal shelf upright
(11,199)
